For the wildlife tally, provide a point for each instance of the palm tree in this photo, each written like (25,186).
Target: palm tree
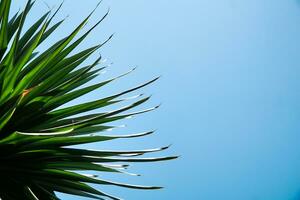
(37,135)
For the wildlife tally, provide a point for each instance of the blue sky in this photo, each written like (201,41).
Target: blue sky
(229,92)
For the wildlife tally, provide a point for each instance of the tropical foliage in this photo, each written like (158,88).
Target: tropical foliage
(38,132)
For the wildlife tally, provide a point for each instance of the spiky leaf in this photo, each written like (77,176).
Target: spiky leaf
(37,135)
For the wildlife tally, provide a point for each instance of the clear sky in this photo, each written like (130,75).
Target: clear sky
(229,92)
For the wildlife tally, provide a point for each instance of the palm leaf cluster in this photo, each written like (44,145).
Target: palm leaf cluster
(38,156)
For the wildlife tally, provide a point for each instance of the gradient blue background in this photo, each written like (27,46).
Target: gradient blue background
(229,92)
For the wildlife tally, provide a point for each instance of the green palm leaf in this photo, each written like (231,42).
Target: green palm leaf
(37,135)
